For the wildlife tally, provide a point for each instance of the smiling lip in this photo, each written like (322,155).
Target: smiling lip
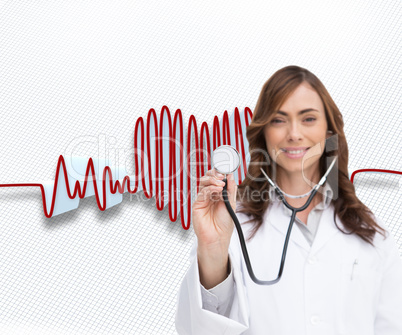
(295,152)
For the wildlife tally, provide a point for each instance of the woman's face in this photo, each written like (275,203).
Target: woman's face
(295,137)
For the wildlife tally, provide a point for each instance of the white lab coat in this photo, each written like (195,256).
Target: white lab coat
(322,291)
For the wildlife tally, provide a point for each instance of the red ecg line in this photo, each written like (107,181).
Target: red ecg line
(117,186)
(218,138)
(372,170)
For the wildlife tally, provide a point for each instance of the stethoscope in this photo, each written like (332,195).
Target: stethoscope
(226,160)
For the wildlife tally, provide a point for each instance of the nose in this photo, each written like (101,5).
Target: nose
(294,132)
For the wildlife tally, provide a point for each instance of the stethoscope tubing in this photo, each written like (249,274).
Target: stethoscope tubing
(285,245)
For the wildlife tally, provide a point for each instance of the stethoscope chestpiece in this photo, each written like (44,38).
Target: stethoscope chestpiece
(225,159)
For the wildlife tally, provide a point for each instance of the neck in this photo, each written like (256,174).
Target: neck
(296,183)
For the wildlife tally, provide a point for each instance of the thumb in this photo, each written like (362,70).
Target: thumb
(232,190)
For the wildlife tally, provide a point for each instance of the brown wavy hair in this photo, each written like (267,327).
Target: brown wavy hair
(355,216)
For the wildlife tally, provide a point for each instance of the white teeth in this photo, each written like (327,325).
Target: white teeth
(294,152)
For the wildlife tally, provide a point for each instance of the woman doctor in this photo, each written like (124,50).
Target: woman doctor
(343,272)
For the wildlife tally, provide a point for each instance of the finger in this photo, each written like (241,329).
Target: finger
(211,177)
(215,193)
(210,180)
(215,174)
(218,175)
(207,194)
(209,172)
(201,184)
(204,181)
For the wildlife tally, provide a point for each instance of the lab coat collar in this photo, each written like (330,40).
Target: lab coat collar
(275,216)
(327,229)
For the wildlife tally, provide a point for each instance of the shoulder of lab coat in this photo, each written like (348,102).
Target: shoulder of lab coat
(192,318)
(389,309)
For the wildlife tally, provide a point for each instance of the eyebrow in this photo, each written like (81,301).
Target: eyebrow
(301,112)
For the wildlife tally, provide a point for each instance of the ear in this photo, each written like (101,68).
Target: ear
(329,133)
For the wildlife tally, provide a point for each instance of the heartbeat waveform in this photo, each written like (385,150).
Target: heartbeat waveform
(231,131)
(62,193)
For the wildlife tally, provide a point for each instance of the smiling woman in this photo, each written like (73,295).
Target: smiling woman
(299,125)
(343,270)
(295,112)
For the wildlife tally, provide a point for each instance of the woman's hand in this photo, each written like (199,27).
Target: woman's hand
(213,226)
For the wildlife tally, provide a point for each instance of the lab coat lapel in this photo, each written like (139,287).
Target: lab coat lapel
(326,229)
(280,221)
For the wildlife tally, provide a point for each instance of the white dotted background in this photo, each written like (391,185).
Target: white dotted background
(72,72)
